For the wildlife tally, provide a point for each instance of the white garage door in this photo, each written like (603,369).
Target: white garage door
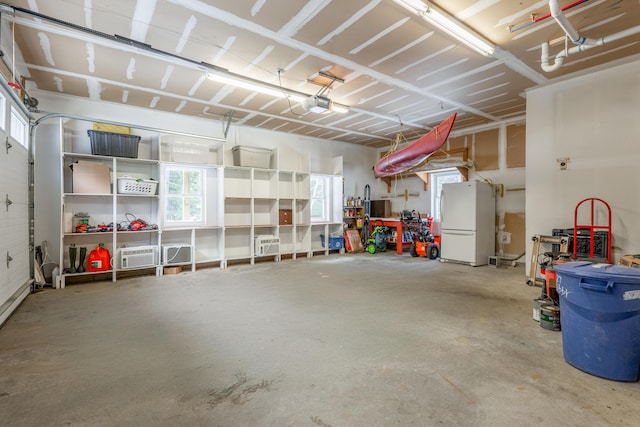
(14,206)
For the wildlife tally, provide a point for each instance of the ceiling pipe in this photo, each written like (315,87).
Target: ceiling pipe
(564,23)
(582,43)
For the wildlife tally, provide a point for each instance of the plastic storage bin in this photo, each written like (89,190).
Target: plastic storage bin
(600,317)
(254,157)
(137,186)
(113,144)
(336,242)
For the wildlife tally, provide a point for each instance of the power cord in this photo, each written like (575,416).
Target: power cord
(286,96)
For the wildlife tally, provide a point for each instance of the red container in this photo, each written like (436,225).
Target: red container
(99,259)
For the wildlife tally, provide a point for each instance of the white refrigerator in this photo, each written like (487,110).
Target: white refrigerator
(468,218)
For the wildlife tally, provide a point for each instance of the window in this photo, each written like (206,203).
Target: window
(184,196)
(326,198)
(18,127)
(320,191)
(437,179)
(2,110)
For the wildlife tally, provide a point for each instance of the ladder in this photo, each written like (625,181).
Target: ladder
(366,229)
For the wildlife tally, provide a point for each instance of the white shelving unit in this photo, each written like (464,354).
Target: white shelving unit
(250,210)
(112,210)
(261,202)
(201,243)
(240,203)
(302,215)
(331,171)
(286,197)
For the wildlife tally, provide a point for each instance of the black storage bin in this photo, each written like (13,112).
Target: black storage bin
(600,242)
(113,144)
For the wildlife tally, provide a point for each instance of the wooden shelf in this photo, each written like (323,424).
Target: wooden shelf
(458,153)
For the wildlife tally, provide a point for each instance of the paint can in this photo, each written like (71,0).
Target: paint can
(537,303)
(550,317)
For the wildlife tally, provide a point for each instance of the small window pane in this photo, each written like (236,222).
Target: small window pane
(18,127)
(320,192)
(184,195)
(2,111)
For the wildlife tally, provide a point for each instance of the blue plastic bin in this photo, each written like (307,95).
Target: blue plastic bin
(600,318)
(334,242)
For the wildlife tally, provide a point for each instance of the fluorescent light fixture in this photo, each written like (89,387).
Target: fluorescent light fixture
(267,89)
(337,108)
(449,25)
(245,84)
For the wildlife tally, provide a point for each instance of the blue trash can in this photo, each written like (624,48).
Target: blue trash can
(600,318)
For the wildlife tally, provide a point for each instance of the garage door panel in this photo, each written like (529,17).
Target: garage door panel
(19,195)
(17,157)
(18,270)
(14,219)
(16,215)
(14,179)
(15,236)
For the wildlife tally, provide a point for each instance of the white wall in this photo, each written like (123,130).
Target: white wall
(593,120)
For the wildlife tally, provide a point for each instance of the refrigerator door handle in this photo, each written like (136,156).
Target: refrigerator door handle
(458,232)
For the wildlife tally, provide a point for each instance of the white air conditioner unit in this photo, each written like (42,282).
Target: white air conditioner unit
(177,254)
(138,256)
(317,104)
(267,245)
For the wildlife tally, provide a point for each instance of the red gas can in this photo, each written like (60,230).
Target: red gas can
(99,259)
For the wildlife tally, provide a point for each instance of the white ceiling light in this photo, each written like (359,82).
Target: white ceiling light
(237,82)
(337,108)
(449,25)
(271,90)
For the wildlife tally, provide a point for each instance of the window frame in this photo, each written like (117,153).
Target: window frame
(3,111)
(23,137)
(166,196)
(436,179)
(325,199)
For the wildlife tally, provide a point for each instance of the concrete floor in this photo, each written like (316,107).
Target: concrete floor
(343,340)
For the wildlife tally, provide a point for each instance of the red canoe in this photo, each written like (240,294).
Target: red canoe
(416,152)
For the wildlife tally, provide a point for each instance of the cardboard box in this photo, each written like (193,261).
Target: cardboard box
(630,260)
(105,127)
(91,177)
(172,270)
(285,217)
(381,209)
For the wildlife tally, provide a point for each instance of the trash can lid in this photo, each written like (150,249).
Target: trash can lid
(600,271)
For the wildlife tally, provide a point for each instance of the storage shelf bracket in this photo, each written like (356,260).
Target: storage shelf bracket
(228,116)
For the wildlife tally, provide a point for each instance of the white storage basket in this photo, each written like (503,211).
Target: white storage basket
(137,186)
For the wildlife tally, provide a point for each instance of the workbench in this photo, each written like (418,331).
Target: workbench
(396,223)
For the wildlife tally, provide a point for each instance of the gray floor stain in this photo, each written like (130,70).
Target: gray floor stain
(238,392)
(318,421)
